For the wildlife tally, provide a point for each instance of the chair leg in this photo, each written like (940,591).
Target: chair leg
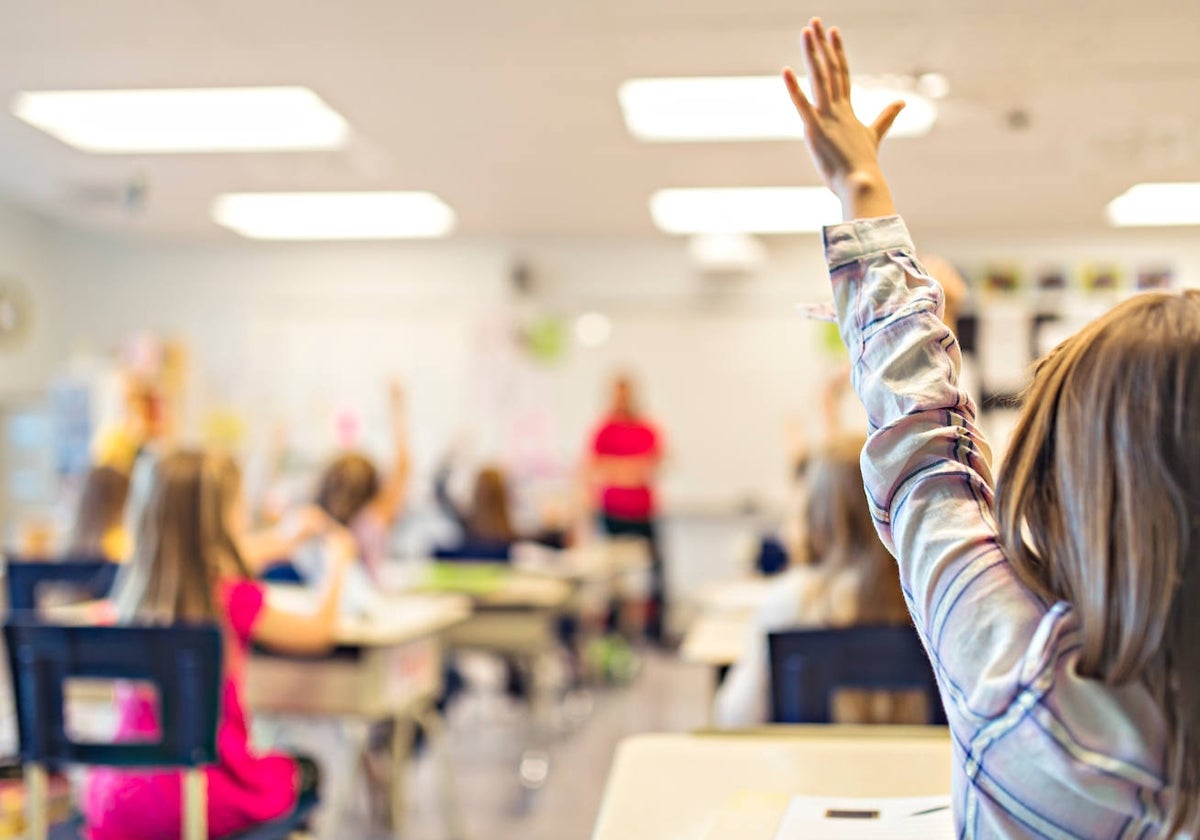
(195,804)
(439,746)
(402,740)
(354,737)
(37,788)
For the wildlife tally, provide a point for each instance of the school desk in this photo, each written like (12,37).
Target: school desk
(720,786)
(388,666)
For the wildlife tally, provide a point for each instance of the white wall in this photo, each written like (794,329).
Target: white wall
(26,364)
(298,331)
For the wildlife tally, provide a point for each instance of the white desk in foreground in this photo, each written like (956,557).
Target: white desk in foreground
(719,786)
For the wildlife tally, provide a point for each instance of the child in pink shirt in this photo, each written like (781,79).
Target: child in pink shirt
(186,567)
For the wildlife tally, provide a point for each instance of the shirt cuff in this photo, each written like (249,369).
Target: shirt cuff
(850,241)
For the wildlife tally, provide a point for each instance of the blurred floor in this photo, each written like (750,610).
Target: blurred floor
(485,739)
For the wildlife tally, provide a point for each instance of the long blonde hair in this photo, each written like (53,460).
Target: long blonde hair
(184,543)
(1098,503)
(839,534)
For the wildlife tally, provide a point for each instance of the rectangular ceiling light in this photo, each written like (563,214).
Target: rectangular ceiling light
(745,210)
(252,119)
(1152,205)
(335,215)
(750,108)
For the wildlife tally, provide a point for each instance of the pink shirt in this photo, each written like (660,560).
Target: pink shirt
(626,438)
(244,788)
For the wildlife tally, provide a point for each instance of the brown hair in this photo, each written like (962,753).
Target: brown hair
(1098,504)
(101,508)
(840,535)
(489,519)
(184,543)
(347,486)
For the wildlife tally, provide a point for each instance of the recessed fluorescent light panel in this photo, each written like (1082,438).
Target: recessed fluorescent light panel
(751,108)
(335,215)
(187,120)
(744,210)
(1152,205)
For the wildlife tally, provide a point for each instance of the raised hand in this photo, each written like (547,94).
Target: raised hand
(845,151)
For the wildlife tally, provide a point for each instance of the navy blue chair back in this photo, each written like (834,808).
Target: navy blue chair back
(494,552)
(182,662)
(809,666)
(93,576)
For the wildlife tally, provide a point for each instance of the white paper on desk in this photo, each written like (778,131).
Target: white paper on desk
(807,818)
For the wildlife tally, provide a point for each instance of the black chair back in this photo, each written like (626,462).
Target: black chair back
(182,662)
(809,666)
(93,576)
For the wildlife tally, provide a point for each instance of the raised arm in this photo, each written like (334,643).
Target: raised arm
(311,633)
(394,491)
(925,465)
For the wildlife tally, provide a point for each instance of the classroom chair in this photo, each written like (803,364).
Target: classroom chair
(92,576)
(182,662)
(809,666)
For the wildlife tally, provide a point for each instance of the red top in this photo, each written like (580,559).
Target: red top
(244,788)
(626,437)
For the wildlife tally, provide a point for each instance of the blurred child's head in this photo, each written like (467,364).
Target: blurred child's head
(1098,503)
(840,534)
(624,396)
(100,512)
(347,486)
(490,520)
(187,539)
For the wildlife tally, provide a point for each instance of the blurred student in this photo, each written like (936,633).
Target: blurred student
(486,524)
(1059,603)
(841,576)
(187,567)
(626,451)
(99,531)
(352,491)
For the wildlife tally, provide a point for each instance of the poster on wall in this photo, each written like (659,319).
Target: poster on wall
(1001,279)
(71,427)
(1150,278)
(1101,277)
(1051,279)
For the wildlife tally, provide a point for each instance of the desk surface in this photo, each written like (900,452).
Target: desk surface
(390,620)
(717,640)
(690,787)
(485,584)
(596,561)
(734,596)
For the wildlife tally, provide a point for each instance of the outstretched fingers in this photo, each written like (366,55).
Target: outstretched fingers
(798,98)
(885,119)
(817,77)
(829,61)
(839,54)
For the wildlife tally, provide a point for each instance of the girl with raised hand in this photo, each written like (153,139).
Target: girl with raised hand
(1058,605)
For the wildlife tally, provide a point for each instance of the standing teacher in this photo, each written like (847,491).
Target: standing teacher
(626,450)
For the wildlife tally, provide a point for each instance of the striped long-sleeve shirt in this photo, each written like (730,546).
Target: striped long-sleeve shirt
(1040,750)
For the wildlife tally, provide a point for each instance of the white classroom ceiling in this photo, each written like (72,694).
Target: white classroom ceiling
(508,109)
